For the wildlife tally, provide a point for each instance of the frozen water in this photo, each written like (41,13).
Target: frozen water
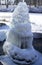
(20,25)
(2,35)
(7,60)
(35,19)
(3,32)
(20,34)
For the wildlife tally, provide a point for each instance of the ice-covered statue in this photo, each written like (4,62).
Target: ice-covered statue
(18,46)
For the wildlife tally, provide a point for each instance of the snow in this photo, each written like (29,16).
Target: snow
(36,22)
(19,32)
(35,19)
(6,16)
(33,9)
(7,60)
(10,8)
(4,27)
(3,31)
(13,41)
(2,35)
(39,61)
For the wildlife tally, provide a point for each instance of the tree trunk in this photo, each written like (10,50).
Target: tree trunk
(7,4)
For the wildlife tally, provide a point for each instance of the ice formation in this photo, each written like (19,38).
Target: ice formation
(18,44)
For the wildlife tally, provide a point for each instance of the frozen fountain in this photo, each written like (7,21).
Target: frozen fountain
(18,46)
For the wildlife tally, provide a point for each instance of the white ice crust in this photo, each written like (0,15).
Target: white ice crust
(20,32)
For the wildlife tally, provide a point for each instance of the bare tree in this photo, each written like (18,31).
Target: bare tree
(34,1)
(40,2)
(7,4)
(29,2)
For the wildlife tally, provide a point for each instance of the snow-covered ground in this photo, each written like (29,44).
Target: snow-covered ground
(35,19)
(36,22)
(10,8)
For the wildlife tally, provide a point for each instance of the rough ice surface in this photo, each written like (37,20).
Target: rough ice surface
(3,32)
(20,15)
(20,26)
(7,60)
(20,22)
(19,34)
(2,35)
